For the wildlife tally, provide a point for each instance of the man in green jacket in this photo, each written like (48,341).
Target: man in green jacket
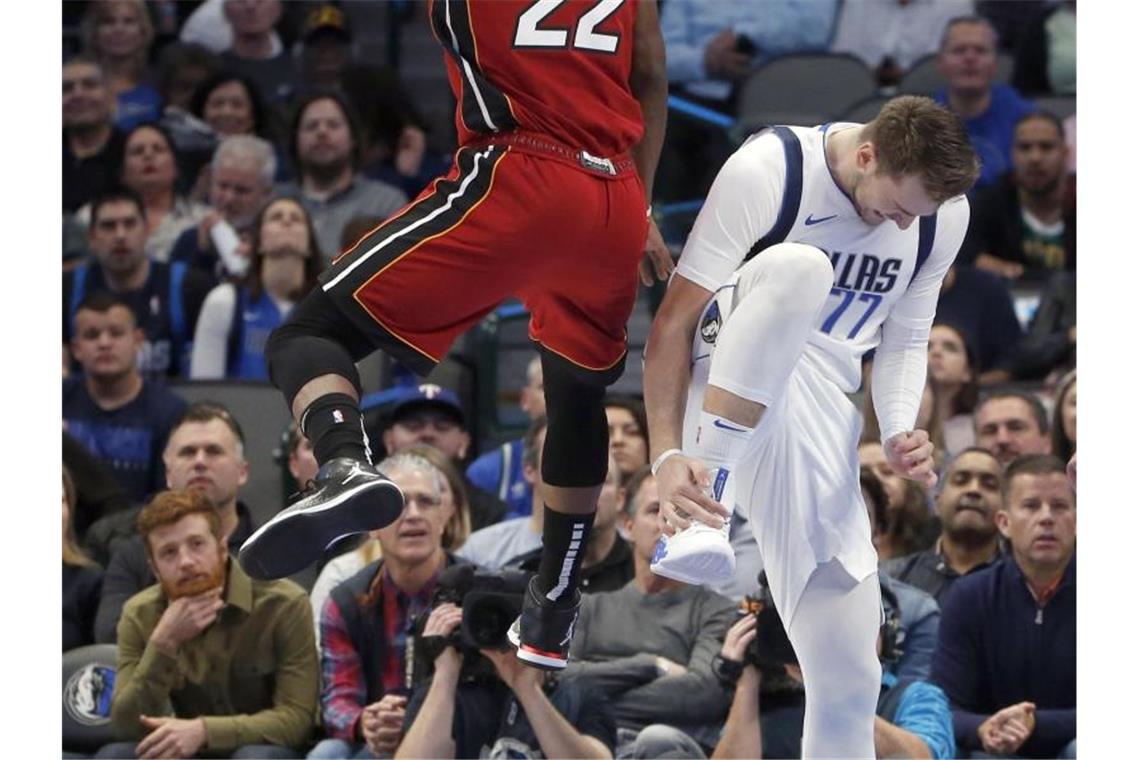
(234,657)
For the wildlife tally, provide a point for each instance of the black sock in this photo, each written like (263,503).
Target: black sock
(334,426)
(563,548)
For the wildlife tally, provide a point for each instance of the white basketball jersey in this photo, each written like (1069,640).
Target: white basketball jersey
(874,265)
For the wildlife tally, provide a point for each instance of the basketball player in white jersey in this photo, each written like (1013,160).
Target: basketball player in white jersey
(814,246)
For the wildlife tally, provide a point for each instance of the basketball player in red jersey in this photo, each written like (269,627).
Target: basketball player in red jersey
(560,114)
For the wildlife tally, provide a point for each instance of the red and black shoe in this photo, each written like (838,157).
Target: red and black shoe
(543,631)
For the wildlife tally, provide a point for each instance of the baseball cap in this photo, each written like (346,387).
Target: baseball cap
(426,395)
(325,18)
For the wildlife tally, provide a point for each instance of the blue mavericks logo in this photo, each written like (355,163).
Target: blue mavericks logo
(659,551)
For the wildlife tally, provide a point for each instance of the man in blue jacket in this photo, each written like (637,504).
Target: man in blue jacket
(1007,649)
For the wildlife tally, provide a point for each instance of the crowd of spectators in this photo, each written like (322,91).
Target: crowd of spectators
(218,155)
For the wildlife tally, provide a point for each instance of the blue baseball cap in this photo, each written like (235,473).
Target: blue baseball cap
(414,397)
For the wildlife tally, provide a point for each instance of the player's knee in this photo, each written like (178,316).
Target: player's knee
(806,269)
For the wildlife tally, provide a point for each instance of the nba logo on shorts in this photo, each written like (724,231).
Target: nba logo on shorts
(338,416)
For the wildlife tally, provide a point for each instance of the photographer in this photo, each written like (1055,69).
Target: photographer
(912,716)
(447,718)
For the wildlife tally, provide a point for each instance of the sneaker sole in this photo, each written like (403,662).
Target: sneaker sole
(287,545)
(546,661)
(692,580)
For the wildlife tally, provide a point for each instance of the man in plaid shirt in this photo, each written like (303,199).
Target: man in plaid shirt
(366,621)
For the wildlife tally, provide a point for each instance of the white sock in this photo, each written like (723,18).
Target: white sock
(721,444)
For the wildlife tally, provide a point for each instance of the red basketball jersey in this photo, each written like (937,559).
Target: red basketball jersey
(557,67)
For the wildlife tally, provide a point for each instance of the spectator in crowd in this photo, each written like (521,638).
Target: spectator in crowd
(629,437)
(978,303)
(98,493)
(205,454)
(967,60)
(910,525)
(150,168)
(395,132)
(118,34)
(1046,61)
(663,673)
(912,718)
(1065,418)
(455,533)
(1050,344)
(1024,225)
(241,178)
(560,717)
(120,417)
(891,36)
(1007,647)
(253,52)
(165,297)
(496,545)
(237,318)
(230,104)
(233,656)
(951,364)
(712,47)
(326,148)
(432,415)
(181,71)
(325,48)
(500,471)
(968,497)
(82,579)
(366,620)
(917,611)
(92,147)
(1011,423)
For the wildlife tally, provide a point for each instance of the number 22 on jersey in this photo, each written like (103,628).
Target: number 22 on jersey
(529,34)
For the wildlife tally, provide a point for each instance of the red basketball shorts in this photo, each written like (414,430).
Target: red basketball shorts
(506,221)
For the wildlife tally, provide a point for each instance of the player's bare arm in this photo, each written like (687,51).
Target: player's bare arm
(681,481)
(650,86)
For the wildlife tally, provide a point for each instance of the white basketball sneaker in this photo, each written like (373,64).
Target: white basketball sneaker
(699,554)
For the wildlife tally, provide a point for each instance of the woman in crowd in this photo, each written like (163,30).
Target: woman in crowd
(82,579)
(236,319)
(952,369)
(150,168)
(118,34)
(1065,417)
(231,104)
(458,528)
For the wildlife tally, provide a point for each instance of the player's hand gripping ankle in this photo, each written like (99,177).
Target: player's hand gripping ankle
(683,490)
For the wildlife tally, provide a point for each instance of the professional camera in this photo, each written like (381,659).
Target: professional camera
(771,647)
(490,602)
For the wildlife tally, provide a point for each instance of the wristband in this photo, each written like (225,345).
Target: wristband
(660,460)
(727,671)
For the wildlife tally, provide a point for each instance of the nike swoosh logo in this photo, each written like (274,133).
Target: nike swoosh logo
(720,424)
(809,221)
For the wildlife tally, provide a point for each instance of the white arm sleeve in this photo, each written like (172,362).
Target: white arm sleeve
(898,375)
(741,208)
(211,336)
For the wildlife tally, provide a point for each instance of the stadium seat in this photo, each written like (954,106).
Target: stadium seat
(1061,106)
(803,89)
(88,682)
(865,110)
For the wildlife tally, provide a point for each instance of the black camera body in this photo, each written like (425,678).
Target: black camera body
(490,602)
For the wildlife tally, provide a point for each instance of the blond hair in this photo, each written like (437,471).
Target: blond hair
(95,13)
(914,135)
